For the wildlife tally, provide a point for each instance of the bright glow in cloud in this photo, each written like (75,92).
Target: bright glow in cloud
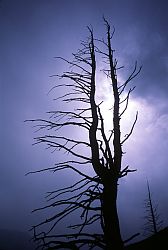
(150,132)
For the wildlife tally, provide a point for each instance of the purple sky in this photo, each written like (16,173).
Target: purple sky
(32,33)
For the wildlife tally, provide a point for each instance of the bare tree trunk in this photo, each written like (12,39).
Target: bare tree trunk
(110,214)
(152,210)
(153,222)
(112,233)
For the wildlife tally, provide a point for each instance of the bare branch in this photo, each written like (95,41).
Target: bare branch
(127,101)
(132,128)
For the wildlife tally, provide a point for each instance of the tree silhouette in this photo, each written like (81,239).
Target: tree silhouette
(153,222)
(93,196)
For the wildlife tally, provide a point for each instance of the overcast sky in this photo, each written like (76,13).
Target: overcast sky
(32,33)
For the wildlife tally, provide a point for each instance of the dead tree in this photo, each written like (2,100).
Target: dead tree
(94,196)
(153,222)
